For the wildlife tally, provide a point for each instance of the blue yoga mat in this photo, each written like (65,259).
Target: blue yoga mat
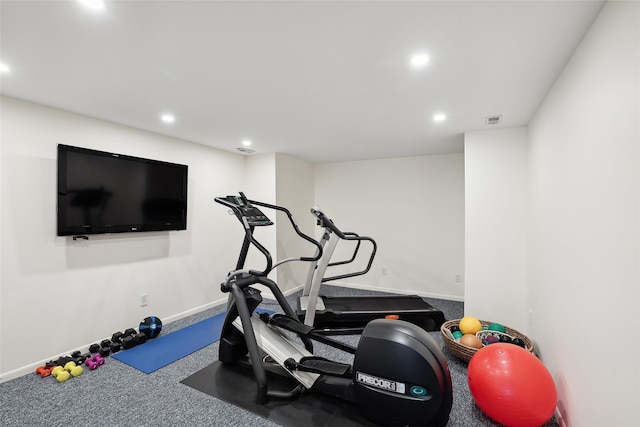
(166,349)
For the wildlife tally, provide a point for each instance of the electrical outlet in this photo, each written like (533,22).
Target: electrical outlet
(144,300)
(458,278)
(385,271)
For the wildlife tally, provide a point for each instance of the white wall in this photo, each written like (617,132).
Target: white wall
(496,207)
(67,294)
(1,240)
(288,182)
(260,186)
(574,184)
(413,207)
(585,233)
(294,191)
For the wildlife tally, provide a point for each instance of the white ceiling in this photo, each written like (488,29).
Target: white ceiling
(321,81)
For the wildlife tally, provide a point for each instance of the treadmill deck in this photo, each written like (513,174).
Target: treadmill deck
(357,311)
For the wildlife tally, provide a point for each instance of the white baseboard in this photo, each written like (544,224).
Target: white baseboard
(558,414)
(269,295)
(31,368)
(399,291)
(28,369)
(194,311)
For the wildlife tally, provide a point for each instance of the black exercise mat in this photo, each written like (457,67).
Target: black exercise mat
(235,385)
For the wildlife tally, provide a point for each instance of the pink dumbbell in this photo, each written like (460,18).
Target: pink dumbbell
(94,361)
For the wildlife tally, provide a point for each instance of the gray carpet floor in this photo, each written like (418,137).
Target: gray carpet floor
(118,395)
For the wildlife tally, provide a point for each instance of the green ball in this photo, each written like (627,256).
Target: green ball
(457,335)
(497,327)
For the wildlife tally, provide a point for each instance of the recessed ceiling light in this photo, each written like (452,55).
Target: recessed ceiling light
(4,68)
(168,118)
(419,60)
(439,117)
(246,143)
(93,4)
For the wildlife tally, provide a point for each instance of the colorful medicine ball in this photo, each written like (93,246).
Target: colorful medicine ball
(470,325)
(151,326)
(470,340)
(511,386)
(497,327)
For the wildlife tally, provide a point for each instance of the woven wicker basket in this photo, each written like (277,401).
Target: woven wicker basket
(464,352)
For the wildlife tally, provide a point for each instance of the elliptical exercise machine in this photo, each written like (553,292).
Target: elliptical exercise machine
(399,375)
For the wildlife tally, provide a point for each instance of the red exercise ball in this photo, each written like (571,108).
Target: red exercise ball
(512,386)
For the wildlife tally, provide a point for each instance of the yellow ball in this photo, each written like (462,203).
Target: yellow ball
(469,325)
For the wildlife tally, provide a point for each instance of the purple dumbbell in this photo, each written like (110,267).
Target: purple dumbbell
(98,359)
(94,361)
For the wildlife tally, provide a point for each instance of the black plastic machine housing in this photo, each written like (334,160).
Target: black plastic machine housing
(390,370)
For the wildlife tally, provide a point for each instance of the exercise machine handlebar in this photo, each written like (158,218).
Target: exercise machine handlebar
(325,222)
(353,255)
(251,217)
(249,224)
(295,228)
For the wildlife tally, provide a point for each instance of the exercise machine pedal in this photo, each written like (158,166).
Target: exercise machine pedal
(320,365)
(290,324)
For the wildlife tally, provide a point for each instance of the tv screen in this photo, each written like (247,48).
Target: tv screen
(100,192)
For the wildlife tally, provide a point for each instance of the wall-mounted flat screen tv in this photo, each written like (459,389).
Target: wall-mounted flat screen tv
(100,192)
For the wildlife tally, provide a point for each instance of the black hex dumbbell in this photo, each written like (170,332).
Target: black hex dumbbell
(128,342)
(115,347)
(128,339)
(129,333)
(105,348)
(140,338)
(117,337)
(79,357)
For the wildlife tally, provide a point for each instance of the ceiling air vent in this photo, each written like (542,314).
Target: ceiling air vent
(245,150)
(493,120)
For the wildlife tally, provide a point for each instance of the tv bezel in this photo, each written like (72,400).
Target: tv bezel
(66,230)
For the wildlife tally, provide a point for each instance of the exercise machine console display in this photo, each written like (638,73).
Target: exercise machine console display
(247,212)
(399,375)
